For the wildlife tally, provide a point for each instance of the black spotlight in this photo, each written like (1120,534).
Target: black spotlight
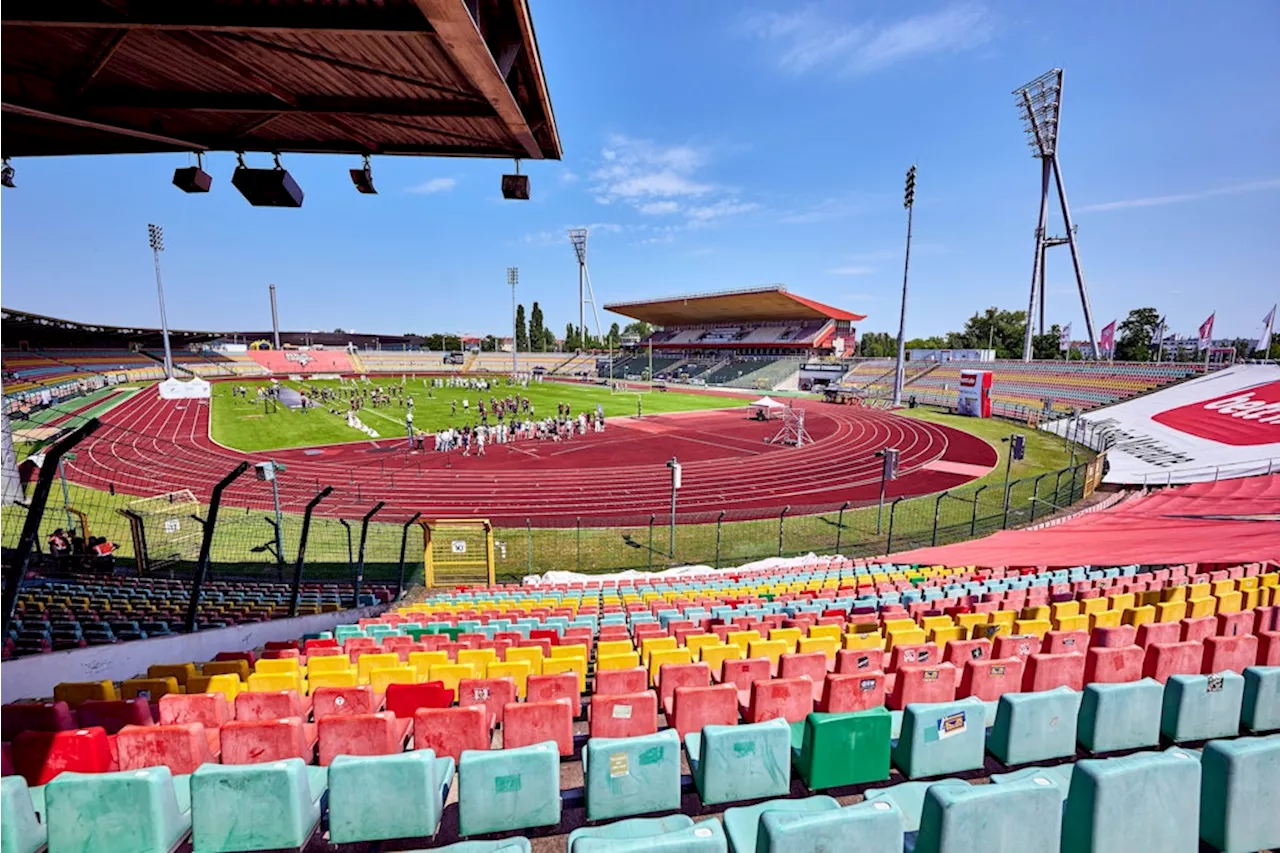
(193,179)
(516,186)
(6,174)
(267,187)
(363,178)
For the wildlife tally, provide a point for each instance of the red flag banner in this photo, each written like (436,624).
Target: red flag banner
(1107,341)
(1206,332)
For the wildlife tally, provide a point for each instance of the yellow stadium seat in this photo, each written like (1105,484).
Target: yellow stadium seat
(659,657)
(570,651)
(613,647)
(695,642)
(226,684)
(274,665)
(1036,613)
(553,665)
(450,674)
(177,671)
(1222,587)
(1198,607)
(1064,609)
(1105,619)
(1002,617)
(649,645)
(771,649)
(944,635)
(1171,611)
(238,668)
(1122,601)
(365,664)
(381,676)
(1173,593)
(968,620)
(629,660)
(1089,606)
(78,692)
(423,661)
(865,640)
(329,663)
(715,656)
(928,623)
(991,630)
(1249,598)
(743,639)
(1039,627)
(517,671)
(531,655)
(1230,602)
(1079,622)
(333,678)
(1136,616)
(891,625)
(790,636)
(150,689)
(478,659)
(831,631)
(904,638)
(1150,598)
(267,682)
(827,645)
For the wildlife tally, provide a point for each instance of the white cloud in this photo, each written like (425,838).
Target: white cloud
(1180,198)
(560,237)
(851,270)
(435,185)
(720,209)
(659,208)
(569,177)
(824,211)
(808,39)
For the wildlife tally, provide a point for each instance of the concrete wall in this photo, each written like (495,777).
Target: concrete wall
(34,677)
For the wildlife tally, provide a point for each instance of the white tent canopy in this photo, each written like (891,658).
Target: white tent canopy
(768,403)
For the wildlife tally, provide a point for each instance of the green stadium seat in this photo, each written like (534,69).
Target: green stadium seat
(1200,707)
(1115,717)
(640,827)
(1147,801)
(1034,727)
(1025,816)
(941,738)
(747,762)
(1239,794)
(842,749)
(741,824)
(704,837)
(377,798)
(255,806)
(876,826)
(1260,711)
(132,811)
(23,831)
(508,789)
(632,776)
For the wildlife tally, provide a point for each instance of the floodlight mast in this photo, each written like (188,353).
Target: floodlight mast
(513,278)
(586,293)
(1040,104)
(155,235)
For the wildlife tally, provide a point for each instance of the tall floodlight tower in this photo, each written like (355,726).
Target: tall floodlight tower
(899,369)
(155,234)
(513,278)
(586,294)
(275,319)
(1040,104)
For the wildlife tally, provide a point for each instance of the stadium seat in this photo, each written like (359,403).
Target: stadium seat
(343,701)
(1110,665)
(1239,798)
(35,716)
(732,763)
(114,714)
(1200,707)
(492,694)
(380,733)
(209,709)
(40,756)
(257,741)
(529,723)
(811,665)
(1065,642)
(270,705)
(697,707)
(640,835)
(508,790)
(847,693)
(1166,659)
(1228,653)
(23,831)
(451,731)
(76,692)
(742,823)
(555,686)
(621,715)
(745,672)
(1033,727)
(672,676)
(939,739)
(1025,815)
(613,681)
(1147,801)
(268,806)
(835,750)
(788,698)
(181,747)
(853,661)
(404,700)
(1260,709)
(1120,716)
(927,683)
(88,811)
(989,679)
(1047,671)
(632,775)
(376,798)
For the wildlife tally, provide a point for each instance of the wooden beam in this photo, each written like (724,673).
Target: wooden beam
(192,15)
(90,124)
(100,61)
(228,61)
(537,79)
(217,102)
(457,32)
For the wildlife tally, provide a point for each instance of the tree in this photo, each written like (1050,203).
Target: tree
(1136,334)
(522,334)
(615,336)
(451,342)
(570,338)
(537,340)
(339,331)
(548,340)
(489,344)
(1048,345)
(639,328)
(935,342)
(995,329)
(878,345)
(435,342)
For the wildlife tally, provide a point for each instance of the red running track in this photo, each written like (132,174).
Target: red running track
(150,446)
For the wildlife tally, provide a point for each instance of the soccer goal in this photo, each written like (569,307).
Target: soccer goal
(458,551)
(165,530)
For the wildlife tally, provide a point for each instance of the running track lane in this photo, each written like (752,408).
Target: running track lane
(149,446)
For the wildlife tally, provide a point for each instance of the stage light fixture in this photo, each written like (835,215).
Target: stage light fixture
(193,179)
(363,178)
(516,186)
(6,174)
(266,187)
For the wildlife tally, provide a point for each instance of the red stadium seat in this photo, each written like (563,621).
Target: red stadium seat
(528,723)
(671,676)
(1015,647)
(852,692)
(1266,619)
(990,679)
(361,734)
(114,714)
(247,657)
(182,747)
(811,665)
(623,714)
(259,741)
(1045,672)
(493,694)
(405,699)
(1166,659)
(1268,648)
(549,688)
(919,653)
(922,683)
(788,698)
(1199,629)
(448,731)
(270,705)
(344,701)
(1232,653)
(742,673)
(611,682)
(1107,665)
(696,707)
(40,756)
(853,661)
(1113,637)
(211,710)
(1235,624)
(1158,632)
(1065,642)
(22,717)
(960,652)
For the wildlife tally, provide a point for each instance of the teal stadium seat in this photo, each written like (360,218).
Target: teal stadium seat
(1025,816)
(1201,707)
(236,807)
(1240,794)
(503,790)
(1115,717)
(22,830)
(640,827)
(381,797)
(640,835)
(1260,711)
(131,811)
(1059,775)
(1034,727)
(632,776)
(1148,801)
(941,738)
(505,845)
(741,824)
(907,798)
(733,763)
(877,826)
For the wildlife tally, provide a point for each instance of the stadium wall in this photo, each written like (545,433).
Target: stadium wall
(35,676)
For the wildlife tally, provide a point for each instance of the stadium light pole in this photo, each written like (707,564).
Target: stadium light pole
(155,234)
(908,201)
(513,278)
(578,237)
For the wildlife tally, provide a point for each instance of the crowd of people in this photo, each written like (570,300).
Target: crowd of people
(97,553)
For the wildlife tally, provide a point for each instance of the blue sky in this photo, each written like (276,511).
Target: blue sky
(716,145)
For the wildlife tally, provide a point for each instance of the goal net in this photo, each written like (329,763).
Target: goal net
(458,552)
(164,530)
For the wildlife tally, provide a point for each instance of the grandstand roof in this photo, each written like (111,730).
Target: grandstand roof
(423,77)
(753,305)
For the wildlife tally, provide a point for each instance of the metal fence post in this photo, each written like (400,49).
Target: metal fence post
(302,549)
(528,535)
(21,558)
(364,537)
(782,524)
(206,543)
(578,523)
(973,520)
(1071,495)
(893,511)
(937,508)
(1035,495)
(1057,489)
(1008,498)
(719,522)
(652,519)
(404,541)
(840,525)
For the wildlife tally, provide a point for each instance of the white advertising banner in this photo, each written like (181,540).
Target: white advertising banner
(193,389)
(1222,425)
